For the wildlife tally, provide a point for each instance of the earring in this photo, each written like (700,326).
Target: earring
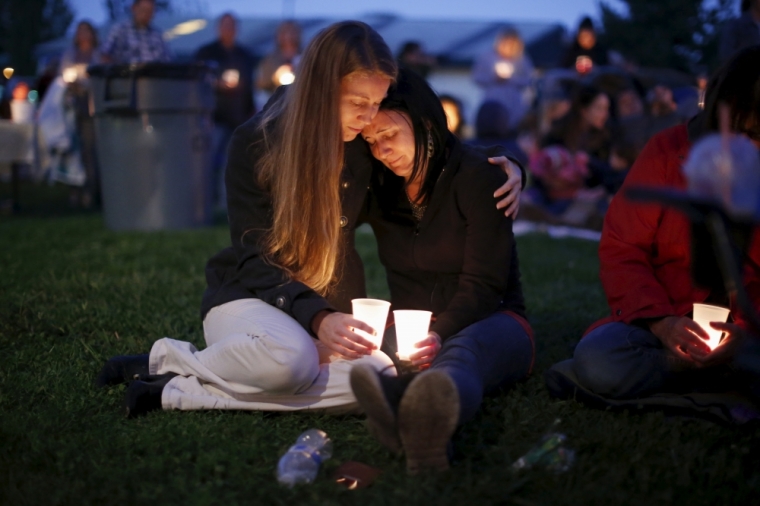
(430,146)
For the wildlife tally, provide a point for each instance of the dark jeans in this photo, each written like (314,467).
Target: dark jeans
(621,361)
(493,353)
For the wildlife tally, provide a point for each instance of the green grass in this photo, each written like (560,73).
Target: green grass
(73,294)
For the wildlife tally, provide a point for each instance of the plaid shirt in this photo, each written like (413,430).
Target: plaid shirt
(128,44)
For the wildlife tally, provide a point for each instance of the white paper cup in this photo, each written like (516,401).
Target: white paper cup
(373,312)
(22,111)
(704,314)
(411,328)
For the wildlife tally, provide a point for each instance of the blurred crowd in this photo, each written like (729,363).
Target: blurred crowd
(577,128)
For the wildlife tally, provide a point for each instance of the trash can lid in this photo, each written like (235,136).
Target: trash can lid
(153,69)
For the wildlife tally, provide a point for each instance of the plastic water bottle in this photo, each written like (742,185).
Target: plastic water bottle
(301,462)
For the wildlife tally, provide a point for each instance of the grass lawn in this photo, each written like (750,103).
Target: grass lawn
(73,294)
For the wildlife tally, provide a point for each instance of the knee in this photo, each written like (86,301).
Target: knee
(293,371)
(379,361)
(600,365)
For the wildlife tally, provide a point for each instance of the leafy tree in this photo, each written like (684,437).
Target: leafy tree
(117,9)
(679,34)
(26,23)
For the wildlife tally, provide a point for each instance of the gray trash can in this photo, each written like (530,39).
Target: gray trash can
(153,126)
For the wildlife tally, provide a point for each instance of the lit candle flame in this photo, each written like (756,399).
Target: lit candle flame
(8,72)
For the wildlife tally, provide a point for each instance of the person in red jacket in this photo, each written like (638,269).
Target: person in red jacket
(650,343)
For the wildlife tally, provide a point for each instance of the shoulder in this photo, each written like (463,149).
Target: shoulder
(670,140)
(247,136)
(206,50)
(119,28)
(243,52)
(475,176)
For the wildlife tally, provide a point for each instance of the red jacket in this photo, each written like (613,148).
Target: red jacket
(645,252)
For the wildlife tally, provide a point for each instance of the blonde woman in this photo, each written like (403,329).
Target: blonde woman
(275,311)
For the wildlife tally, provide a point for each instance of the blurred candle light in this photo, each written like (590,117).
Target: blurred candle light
(185,28)
(284,75)
(8,72)
(704,314)
(231,78)
(504,69)
(411,328)
(70,75)
(373,312)
(584,64)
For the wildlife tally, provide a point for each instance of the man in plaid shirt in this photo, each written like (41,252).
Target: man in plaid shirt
(135,40)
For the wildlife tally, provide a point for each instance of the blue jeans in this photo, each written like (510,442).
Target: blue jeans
(493,353)
(622,361)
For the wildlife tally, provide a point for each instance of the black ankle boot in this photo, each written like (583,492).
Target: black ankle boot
(145,395)
(122,369)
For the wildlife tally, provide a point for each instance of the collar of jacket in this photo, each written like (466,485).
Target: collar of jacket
(443,185)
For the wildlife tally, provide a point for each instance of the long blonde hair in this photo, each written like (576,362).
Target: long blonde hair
(304,156)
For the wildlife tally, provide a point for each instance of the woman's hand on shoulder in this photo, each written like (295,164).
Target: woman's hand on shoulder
(429,349)
(510,190)
(336,331)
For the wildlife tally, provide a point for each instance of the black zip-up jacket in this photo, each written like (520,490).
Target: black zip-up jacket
(460,260)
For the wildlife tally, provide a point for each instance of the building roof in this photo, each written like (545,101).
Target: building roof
(454,42)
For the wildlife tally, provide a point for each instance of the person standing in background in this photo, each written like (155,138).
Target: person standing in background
(585,52)
(414,57)
(234,93)
(279,66)
(73,68)
(505,75)
(136,40)
(741,32)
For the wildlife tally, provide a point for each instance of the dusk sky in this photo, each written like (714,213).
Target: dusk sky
(563,11)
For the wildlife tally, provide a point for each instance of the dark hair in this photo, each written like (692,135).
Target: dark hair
(586,24)
(583,97)
(746,4)
(413,96)
(135,2)
(409,47)
(93,32)
(567,129)
(737,85)
(228,14)
(492,121)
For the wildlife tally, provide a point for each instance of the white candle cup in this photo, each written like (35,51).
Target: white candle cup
(373,312)
(231,77)
(704,314)
(411,328)
(22,111)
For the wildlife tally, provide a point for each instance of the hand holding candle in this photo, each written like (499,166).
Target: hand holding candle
(373,312)
(427,350)
(231,78)
(411,328)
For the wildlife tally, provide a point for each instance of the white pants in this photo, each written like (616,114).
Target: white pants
(257,358)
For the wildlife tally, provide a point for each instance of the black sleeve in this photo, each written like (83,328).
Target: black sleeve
(487,253)
(493,151)
(249,210)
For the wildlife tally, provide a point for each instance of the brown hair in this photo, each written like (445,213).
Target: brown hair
(304,156)
(92,30)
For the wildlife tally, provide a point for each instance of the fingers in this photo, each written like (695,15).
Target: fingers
(429,348)
(696,329)
(507,188)
(358,324)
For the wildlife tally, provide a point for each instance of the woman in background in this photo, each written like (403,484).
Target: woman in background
(74,62)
